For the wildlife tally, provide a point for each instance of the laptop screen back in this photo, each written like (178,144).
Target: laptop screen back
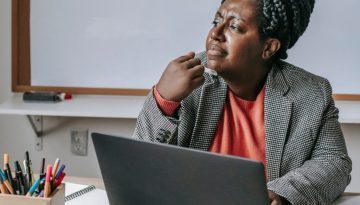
(146,173)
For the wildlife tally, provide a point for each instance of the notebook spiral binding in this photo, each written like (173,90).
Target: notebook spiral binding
(79,193)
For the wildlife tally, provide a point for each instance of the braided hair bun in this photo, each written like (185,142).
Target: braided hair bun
(285,20)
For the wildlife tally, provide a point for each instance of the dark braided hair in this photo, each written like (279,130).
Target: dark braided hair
(285,20)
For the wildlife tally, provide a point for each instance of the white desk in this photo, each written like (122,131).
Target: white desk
(345,199)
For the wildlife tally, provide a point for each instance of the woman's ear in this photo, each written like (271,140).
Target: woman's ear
(272,45)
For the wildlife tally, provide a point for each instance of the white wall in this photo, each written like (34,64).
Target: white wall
(5,43)
(352,137)
(16,133)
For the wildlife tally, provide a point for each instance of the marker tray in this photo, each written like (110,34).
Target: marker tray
(56,198)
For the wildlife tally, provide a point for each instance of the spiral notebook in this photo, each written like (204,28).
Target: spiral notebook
(78,194)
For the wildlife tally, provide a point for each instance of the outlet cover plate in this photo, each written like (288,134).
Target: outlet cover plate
(79,142)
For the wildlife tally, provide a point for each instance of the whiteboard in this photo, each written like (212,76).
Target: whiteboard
(113,43)
(330,47)
(127,44)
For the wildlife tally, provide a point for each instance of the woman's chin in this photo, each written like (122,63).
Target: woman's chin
(213,65)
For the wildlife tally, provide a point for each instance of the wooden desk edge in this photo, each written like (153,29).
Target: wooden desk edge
(97,182)
(350,194)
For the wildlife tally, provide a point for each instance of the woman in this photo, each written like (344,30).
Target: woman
(258,106)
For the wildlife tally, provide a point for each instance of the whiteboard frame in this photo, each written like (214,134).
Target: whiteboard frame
(21,67)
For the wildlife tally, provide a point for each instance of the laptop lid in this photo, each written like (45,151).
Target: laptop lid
(147,173)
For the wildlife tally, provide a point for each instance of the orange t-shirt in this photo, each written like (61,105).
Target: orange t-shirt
(241,130)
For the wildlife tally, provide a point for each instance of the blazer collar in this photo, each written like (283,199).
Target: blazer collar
(209,112)
(277,114)
(210,108)
(276,79)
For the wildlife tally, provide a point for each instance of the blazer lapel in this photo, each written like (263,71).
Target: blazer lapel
(277,116)
(209,112)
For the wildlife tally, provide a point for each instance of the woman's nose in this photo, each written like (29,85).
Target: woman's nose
(217,33)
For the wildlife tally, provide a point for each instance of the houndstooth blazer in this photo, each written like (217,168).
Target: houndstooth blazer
(306,156)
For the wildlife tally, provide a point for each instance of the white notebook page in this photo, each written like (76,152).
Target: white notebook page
(94,197)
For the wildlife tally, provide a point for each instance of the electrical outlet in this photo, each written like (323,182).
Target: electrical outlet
(79,141)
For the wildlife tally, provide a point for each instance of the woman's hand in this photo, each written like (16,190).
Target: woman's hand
(275,199)
(181,77)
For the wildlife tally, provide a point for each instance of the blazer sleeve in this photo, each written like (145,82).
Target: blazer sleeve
(153,125)
(324,177)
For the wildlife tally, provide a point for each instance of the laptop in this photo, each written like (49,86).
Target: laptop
(146,173)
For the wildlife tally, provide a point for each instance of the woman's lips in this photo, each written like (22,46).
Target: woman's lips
(215,50)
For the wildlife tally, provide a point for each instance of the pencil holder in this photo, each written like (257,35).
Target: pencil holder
(57,197)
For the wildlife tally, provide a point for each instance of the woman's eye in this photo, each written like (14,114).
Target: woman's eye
(235,28)
(216,22)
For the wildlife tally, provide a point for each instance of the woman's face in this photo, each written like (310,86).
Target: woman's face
(233,45)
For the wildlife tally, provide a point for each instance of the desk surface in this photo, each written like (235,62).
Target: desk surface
(346,199)
(97,182)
